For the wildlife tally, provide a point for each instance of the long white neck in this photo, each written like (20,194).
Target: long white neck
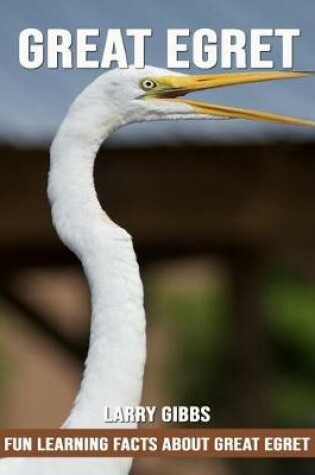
(114,366)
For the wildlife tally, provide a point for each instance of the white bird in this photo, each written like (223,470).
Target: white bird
(115,363)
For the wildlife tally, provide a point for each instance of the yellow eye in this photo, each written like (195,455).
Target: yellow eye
(148,84)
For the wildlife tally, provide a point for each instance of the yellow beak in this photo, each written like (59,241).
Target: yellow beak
(171,87)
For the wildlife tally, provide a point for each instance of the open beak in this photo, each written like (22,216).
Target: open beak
(172,87)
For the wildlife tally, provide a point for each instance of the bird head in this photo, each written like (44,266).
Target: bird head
(137,95)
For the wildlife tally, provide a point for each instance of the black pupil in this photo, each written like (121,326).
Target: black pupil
(149,84)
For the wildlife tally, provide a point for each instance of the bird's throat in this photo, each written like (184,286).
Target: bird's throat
(114,366)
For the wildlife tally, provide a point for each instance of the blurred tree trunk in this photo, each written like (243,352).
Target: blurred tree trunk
(248,404)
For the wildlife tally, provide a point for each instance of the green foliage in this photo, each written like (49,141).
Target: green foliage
(200,340)
(290,302)
(200,329)
(291,306)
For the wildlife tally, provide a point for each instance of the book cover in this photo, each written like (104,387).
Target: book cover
(157,294)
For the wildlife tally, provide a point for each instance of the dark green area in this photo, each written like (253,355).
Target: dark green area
(200,363)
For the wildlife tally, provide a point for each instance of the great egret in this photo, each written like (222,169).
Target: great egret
(115,363)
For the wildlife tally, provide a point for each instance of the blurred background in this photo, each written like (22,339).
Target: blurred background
(222,215)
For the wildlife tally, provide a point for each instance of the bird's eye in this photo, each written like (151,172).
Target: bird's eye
(148,84)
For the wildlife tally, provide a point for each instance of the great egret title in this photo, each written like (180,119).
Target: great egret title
(204,48)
